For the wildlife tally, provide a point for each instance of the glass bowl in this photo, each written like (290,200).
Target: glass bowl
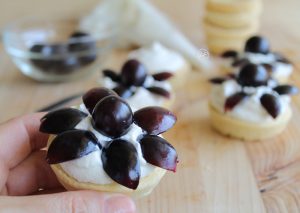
(55,50)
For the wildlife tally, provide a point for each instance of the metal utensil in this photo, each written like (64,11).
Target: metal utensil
(59,103)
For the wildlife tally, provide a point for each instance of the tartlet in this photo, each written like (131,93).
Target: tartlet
(157,58)
(138,87)
(250,105)
(102,145)
(257,51)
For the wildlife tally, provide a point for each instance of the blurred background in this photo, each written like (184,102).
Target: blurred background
(280,21)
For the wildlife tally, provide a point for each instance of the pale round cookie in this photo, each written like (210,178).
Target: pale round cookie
(230,33)
(245,130)
(232,20)
(146,184)
(233,6)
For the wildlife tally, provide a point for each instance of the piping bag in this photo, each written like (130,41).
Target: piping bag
(137,22)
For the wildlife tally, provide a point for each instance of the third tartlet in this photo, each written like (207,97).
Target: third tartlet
(250,105)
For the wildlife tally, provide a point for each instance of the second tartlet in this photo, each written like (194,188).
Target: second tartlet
(138,87)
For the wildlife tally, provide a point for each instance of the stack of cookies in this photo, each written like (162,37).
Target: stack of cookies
(227,24)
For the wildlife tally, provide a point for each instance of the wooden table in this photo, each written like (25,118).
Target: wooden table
(215,174)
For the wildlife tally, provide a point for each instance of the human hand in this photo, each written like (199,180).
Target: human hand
(24,170)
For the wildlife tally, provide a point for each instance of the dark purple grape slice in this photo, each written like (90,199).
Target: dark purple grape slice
(158,152)
(120,162)
(49,50)
(71,145)
(62,63)
(271,104)
(61,120)
(38,48)
(93,96)
(78,34)
(159,91)
(63,66)
(281,58)
(253,75)
(123,92)
(55,49)
(233,100)
(269,67)
(284,60)
(257,44)
(112,75)
(286,90)
(162,76)
(240,62)
(217,80)
(229,54)
(133,73)
(82,42)
(154,120)
(88,59)
(232,75)
(112,117)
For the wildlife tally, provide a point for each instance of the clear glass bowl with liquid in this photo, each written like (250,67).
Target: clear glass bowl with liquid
(55,50)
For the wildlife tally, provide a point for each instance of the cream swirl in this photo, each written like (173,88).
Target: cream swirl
(142,97)
(158,58)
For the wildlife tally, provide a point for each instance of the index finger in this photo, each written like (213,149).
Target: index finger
(19,137)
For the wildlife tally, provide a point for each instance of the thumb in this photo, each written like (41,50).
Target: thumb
(68,202)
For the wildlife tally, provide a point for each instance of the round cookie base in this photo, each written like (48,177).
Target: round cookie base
(234,6)
(146,184)
(231,20)
(145,187)
(223,33)
(248,131)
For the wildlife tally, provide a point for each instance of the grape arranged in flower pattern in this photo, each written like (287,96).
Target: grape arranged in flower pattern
(252,75)
(112,117)
(133,75)
(255,45)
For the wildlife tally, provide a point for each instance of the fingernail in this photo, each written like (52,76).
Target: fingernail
(119,204)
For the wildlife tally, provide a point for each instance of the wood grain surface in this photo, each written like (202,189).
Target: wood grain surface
(215,173)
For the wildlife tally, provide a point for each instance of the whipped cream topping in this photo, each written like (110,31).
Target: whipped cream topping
(281,70)
(89,169)
(249,109)
(158,58)
(142,97)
